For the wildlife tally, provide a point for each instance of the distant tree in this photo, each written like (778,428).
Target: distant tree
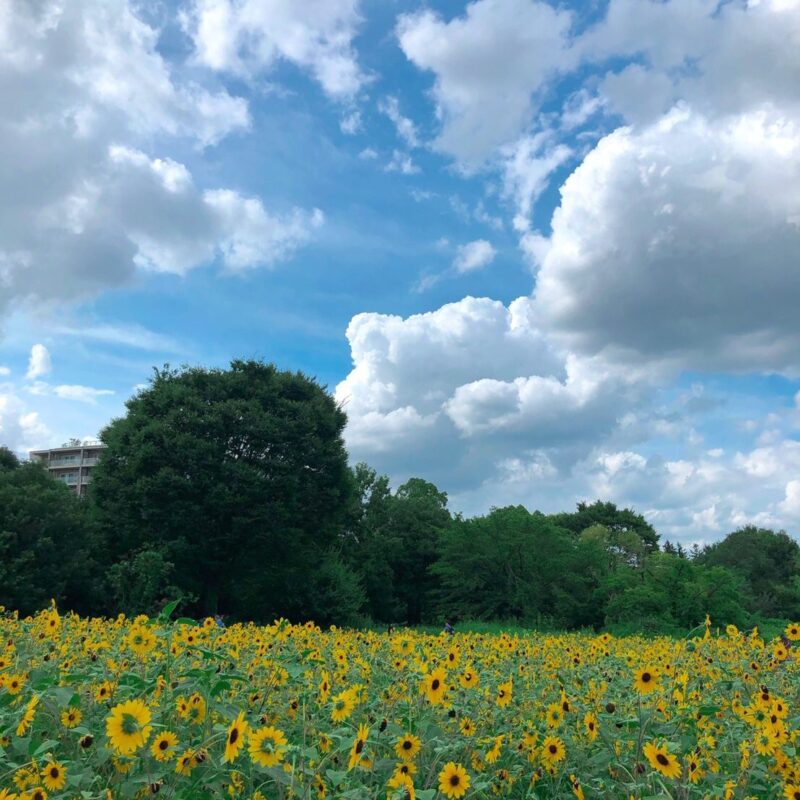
(769,562)
(617,521)
(46,546)
(514,563)
(238,478)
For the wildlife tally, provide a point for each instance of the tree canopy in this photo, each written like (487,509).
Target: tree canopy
(234,481)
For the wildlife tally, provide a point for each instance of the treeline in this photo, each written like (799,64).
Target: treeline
(231,489)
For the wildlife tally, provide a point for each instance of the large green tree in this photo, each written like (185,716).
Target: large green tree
(769,562)
(46,545)
(233,485)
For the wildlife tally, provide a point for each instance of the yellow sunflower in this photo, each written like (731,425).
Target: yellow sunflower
(357,750)
(163,746)
(504,691)
(71,717)
(235,738)
(646,680)
(453,780)
(553,750)
(54,776)
(267,746)
(128,726)
(434,686)
(407,747)
(662,761)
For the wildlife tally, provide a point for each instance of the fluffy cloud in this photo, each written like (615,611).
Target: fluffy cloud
(81,204)
(480,381)
(405,127)
(246,37)
(690,230)
(473,256)
(489,65)
(39,362)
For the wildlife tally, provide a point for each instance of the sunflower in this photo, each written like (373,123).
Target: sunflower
(54,776)
(28,716)
(504,691)
(554,716)
(71,717)
(467,727)
(453,780)
(128,726)
(357,750)
(662,761)
(186,763)
(141,641)
(577,789)
(163,747)
(434,686)
(553,750)
(403,786)
(646,680)
(14,683)
(793,631)
(267,746)
(792,792)
(590,721)
(765,742)
(343,705)
(324,688)
(407,747)
(469,679)
(494,753)
(37,794)
(235,739)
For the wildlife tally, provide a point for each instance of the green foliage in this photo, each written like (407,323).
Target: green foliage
(45,540)
(238,477)
(769,563)
(230,489)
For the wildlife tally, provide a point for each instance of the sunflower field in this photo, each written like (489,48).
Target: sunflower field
(131,708)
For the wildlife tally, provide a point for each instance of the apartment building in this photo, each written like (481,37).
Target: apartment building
(71,463)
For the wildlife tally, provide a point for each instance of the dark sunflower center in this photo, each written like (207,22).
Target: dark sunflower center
(233,737)
(455,779)
(359,746)
(407,744)
(662,759)
(646,677)
(163,744)
(54,772)
(435,684)
(553,749)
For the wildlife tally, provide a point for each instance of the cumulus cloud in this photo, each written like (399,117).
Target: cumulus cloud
(473,256)
(490,66)
(82,205)
(690,230)
(247,37)
(39,362)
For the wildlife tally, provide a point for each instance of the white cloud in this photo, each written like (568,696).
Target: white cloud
(405,128)
(39,363)
(247,37)
(4,371)
(20,428)
(82,205)
(251,236)
(689,229)
(402,163)
(490,66)
(473,256)
(351,123)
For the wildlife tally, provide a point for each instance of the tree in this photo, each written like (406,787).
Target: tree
(617,521)
(46,547)
(237,477)
(768,561)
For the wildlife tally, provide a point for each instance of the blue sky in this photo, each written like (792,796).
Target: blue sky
(540,253)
